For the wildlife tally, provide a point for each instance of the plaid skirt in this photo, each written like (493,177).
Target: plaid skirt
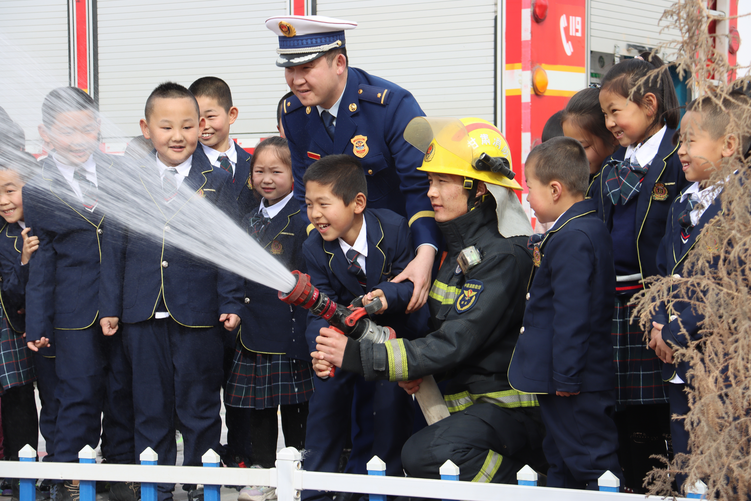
(16,365)
(265,381)
(638,370)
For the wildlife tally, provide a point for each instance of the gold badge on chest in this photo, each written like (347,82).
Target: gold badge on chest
(360,146)
(536,256)
(660,192)
(276,247)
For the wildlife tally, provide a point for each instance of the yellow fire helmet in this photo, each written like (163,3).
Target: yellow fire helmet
(470,147)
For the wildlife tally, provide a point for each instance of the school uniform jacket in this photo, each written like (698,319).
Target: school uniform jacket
(63,288)
(241,186)
(663,182)
(13,276)
(389,251)
(474,319)
(670,259)
(370,125)
(139,270)
(268,324)
(565,343)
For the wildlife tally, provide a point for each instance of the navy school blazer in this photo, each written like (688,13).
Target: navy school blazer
(565,344)
(63,288)
(389,252)
(270,325)
(370,125)
(241,185)
(663,182)
(14,276)
(136,269)
(670,259)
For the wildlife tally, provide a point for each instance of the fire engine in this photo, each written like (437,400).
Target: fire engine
(513,62)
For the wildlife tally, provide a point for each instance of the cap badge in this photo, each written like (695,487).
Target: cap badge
(360,146)
(429,154)
(287,29)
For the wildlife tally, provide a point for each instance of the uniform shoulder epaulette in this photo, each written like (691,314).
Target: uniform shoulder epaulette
(291,104)
(372,94)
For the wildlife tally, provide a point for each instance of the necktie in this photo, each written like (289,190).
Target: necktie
(354,267)
(328,122)
(89,192)
(257,225)
(225,164)
(684,219)
(169,184)
(625,180)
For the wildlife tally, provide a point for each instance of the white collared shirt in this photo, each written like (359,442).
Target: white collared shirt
(705,197)
(272,210)
(334,110)
(182,170)
(89,167)
(361,246)
(647,151)
(213,155)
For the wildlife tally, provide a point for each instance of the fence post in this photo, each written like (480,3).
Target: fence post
(87,455)
(211,460)
(697,491)
(609,482)
(148,489)
(376,467)
(27,489)
(526,476)
(449,471)
(287,462)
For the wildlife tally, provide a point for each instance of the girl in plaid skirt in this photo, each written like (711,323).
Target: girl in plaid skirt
(272,366)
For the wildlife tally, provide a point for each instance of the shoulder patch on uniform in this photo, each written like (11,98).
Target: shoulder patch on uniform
(469,295)
(291,104)
(373,94)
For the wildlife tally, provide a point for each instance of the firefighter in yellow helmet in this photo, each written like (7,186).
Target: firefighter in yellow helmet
(476,306)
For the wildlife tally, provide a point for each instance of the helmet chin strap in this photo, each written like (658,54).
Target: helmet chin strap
(471,186)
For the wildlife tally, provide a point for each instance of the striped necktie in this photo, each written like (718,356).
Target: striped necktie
(169,184)
(354,267)
(224,163)
(89,192)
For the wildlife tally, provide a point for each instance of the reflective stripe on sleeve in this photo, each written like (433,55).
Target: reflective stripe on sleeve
(397,359)
(443,293)
(509,399)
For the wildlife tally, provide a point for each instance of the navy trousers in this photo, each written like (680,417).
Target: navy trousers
(581,442)
(47,386)
(679,406)
(176,370)
(93,377)
(381,416)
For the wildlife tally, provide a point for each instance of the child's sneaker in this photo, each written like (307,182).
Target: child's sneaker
(67,491)
(125,491)
(257,493)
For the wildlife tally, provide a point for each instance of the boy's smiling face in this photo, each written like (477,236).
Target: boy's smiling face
(173,126)
(215,132)
(74,136)
(330,216)
(700,153)
(11,203)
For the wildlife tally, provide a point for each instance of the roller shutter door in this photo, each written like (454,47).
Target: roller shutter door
(628,22)
(441,51)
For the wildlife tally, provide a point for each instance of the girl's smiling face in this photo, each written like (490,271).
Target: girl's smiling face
(629,122)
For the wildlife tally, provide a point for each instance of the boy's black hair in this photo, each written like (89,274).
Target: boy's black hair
(280,106)
(554,126)
(584,111)
(66,99)
(561,159)
(12,136)
(342,173)
(22,163)
(281,150)
(215,88)
(169,90)
(722,115)
(634,78)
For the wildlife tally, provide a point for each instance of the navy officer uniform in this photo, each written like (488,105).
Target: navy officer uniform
(382,412)
(565,345)
(681,320)
(62,298)
(170,303)
(368,124)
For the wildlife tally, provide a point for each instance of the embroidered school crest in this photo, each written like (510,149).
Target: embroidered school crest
(287,29)
(536,256)
(276,247)
(360,146)
(660,192)
(469,295)
(429,154)
(201,193)
(250,183)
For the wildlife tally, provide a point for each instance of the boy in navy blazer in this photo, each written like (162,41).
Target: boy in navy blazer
(355,251)
(705,142)
(564,351)
(172,304)
(65,206)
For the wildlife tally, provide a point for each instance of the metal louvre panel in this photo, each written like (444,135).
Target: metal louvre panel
(33,58)
(144,43)
(441,51)
(628,22)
